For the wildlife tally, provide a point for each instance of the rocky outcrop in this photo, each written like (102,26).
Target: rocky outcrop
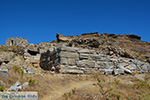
(119,52)
(18,41)
(70,60)
(62,38)
(132,36)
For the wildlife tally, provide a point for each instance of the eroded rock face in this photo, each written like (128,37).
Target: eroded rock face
(18,41)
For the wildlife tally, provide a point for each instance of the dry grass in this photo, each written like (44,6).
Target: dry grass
(92,87)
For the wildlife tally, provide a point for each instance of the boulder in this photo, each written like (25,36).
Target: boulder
(4,73)
(125,69)
(118,71)
(108,71)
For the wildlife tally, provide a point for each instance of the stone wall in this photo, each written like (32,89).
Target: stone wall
(70,60)
(18,41)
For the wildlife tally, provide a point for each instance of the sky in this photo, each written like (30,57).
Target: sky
(40,20)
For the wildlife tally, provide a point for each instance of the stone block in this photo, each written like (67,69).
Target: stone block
(71,61)
(105,65)
(72,71)
(108,71)
(84,56)
(63,61)
(68,49)
(86,51)
(86,63)
(69,55)
(118,71)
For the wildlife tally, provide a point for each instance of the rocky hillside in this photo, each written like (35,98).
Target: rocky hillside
(18,52)
(81,56)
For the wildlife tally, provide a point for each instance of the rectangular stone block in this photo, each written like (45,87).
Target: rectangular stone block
(86,51)
(86,63)
(69,55)
(105,65)
(63,61)
(68,49)
(84,56)
(72,71)
(71,61)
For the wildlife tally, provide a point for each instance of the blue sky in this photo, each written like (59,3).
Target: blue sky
(40,20)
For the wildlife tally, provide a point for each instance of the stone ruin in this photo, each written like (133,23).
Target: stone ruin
(18,41)
(71,60)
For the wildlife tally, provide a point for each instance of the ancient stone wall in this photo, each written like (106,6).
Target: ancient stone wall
(18,41)
(70,60)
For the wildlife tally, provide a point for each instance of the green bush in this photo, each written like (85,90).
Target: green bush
(2,88)
(17,69)
(32,82)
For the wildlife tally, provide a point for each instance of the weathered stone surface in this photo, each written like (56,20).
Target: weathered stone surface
(118,71)
(62,38)
(71,71)
(3,73)
(108,71)
(63,61)
(118,51)
(84,56)
(105,65)
(71,61)
(86,63)
(86,51)
(18,41)
(145,67)
(6,56)
(68,49)
(125,69)
(69,55)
